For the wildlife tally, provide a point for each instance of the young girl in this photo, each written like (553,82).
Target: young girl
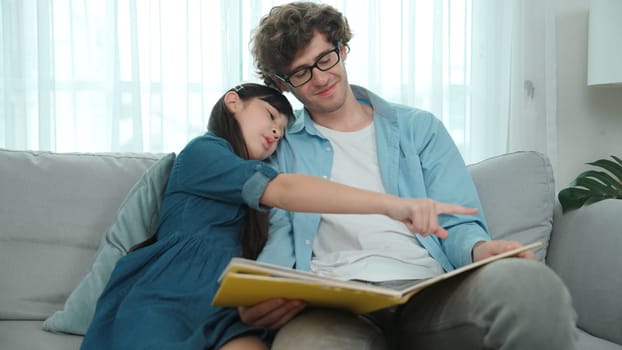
(215,208)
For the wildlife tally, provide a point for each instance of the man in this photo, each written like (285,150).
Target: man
(350,135)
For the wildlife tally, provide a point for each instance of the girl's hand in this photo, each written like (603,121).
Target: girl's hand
(421,215)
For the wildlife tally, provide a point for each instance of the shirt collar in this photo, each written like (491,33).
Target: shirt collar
(303,120)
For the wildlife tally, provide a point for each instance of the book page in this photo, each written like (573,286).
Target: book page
(248,282)
(240,266)
(417,286)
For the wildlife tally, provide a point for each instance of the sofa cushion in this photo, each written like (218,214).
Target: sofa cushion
(28,335)
(517,192)
(136,220)
(590,342)
(53,209)
(585,252)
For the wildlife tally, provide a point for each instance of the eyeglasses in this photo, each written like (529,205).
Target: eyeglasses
(302,76)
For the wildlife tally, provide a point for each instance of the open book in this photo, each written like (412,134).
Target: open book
(248,282)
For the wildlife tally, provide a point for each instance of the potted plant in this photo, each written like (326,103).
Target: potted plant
(592,186)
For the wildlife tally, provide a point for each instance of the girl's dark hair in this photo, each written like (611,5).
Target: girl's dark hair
(223,124)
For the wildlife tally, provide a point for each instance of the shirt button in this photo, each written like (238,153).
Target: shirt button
(325,177)
(307,242)
(327,149)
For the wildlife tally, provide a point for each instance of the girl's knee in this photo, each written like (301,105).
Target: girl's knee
(246,342)
(328,329)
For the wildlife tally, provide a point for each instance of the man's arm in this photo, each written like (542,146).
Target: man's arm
(279,249)
(467,240)
(445,178)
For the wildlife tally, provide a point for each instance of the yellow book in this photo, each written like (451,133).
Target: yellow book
(247,282)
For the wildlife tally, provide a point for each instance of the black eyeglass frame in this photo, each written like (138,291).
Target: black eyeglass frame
(285,78)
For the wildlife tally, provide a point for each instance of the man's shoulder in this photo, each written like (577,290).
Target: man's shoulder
(405,115)
(391,109)
(298,124)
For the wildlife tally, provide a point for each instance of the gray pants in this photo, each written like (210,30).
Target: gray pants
(511,304)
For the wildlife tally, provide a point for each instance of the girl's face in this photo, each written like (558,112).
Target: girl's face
(261,124)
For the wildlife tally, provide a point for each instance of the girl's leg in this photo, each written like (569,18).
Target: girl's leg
(316,329)
(245,342)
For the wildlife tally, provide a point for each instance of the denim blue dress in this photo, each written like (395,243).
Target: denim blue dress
(159,297)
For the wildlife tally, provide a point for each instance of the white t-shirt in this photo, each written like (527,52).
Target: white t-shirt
(366,247)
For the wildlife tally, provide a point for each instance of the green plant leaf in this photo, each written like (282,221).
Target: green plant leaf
(612,167)
(605,178)
(573,198)
(593,186)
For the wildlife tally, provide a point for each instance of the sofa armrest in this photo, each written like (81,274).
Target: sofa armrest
(517,192)
(585,251)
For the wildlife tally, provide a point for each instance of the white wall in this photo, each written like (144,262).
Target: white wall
(589,119)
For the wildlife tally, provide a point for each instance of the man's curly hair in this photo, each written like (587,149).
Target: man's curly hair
(288,28)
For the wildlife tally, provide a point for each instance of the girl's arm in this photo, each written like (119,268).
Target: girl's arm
(304,193)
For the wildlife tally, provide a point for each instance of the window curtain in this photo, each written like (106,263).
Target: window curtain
(143,75)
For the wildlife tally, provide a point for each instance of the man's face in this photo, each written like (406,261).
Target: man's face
(327,90)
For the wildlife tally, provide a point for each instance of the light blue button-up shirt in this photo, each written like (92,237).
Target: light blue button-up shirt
(417,159)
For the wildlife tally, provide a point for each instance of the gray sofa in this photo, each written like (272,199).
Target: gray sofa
(66,218)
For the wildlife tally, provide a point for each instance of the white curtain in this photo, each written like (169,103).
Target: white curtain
(142,75)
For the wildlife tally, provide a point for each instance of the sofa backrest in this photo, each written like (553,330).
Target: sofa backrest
(517,192)
(54,208)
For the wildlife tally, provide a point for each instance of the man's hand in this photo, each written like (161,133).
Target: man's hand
(273,313)
(485,249)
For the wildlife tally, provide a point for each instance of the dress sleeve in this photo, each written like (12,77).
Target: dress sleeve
(208,167)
